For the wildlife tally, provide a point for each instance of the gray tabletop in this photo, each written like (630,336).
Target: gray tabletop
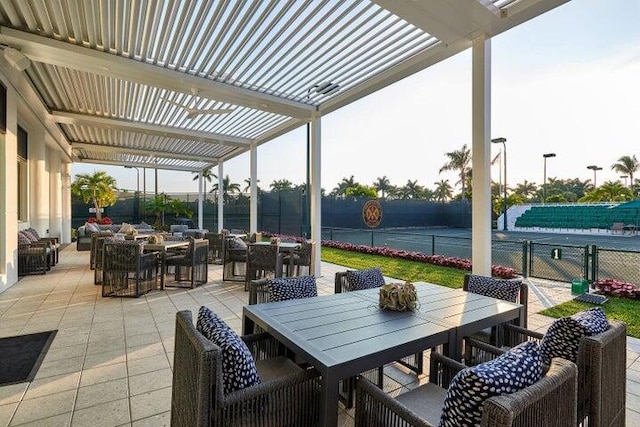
(343,335)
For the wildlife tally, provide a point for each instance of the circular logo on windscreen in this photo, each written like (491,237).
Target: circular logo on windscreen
(372,213)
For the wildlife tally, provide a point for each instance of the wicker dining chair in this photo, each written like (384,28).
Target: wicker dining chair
(215,247)
(127,272)
(97,250)
(234,259)
(301,257)
(93,257)
(601,370)
(262,261)
(548,402)
(287,396)
(33,257)
(190,268)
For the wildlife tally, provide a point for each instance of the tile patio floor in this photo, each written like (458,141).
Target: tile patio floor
(110,362)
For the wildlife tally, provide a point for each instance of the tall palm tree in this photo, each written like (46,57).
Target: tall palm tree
(228,187)
(526,189)
(207,176)
(98,188)
(412,189)
(341,189)
(443,190)
(459,161)
(382,185)
(281,185)
(247,187)
(627,165)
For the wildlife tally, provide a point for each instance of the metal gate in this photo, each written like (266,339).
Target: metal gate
(558,262)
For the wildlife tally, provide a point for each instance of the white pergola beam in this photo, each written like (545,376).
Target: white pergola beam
(138,164)
(102,148)
(55,52)
(447,20)
(149,129)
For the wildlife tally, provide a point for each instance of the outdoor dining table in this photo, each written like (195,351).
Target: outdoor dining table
(162,248)
(345,334)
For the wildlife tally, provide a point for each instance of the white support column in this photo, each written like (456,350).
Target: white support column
(38,182)
(55,189)
(200,200)
(315,214)
(66,203)
(481,155)
(9,193)
(220,196)
(253,200)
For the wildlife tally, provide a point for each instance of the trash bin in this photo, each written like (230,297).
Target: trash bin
(579,286)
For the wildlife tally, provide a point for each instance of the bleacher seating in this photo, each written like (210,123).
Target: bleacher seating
(601,217)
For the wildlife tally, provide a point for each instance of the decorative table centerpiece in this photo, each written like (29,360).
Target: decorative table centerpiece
(398,296)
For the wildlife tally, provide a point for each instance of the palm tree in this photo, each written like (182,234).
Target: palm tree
(341,189)
(412,189)
(247,187)
(443,191)
(281,185)
(459,161)
(98,188)
(207,175)
(227,188)
(526,189)
(627,165)
(382,184)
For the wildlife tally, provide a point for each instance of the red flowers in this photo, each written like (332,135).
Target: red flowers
(462,264)
(617,288)
(105,220)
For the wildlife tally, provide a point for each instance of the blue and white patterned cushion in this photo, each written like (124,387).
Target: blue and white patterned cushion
(518,368)
(238,366)
(507,290)
(364,279)
(563,336)
(236,243)
(286,288)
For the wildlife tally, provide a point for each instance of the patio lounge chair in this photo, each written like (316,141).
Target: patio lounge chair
(601,371)
(33,257)
(548,402)
(287,396)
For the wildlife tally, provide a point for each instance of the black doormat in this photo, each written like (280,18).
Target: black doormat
(21,356)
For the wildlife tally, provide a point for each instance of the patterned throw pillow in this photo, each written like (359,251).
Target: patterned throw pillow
(23,239)
(287,288)
(34,232)
(518,368)
(32,237)
(237,243)
(238,367)
(507,290)
(563,337)
(365,279)
(91,227)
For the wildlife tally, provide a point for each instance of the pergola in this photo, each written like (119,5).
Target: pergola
(187,85)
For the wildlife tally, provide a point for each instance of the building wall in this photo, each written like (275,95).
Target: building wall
(41,188)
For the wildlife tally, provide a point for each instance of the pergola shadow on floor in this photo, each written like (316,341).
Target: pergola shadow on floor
(111,360)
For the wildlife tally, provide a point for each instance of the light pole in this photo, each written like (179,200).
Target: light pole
(544,182)
(625,179)
(595,169)
(137,190)
(504,150)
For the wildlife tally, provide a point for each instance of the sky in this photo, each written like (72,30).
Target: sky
(566,82)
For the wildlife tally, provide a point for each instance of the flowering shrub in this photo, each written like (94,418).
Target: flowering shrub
(617,288)
(105,220)
(443,261)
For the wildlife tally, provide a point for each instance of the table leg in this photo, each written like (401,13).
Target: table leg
(248,326)
(163,268)
(329,400)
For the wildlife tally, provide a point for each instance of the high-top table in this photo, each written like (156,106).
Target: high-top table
(345,334)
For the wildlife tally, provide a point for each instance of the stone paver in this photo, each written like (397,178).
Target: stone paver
(111,361)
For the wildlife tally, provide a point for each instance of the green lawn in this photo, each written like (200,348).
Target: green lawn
(399,268)
(622,309)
